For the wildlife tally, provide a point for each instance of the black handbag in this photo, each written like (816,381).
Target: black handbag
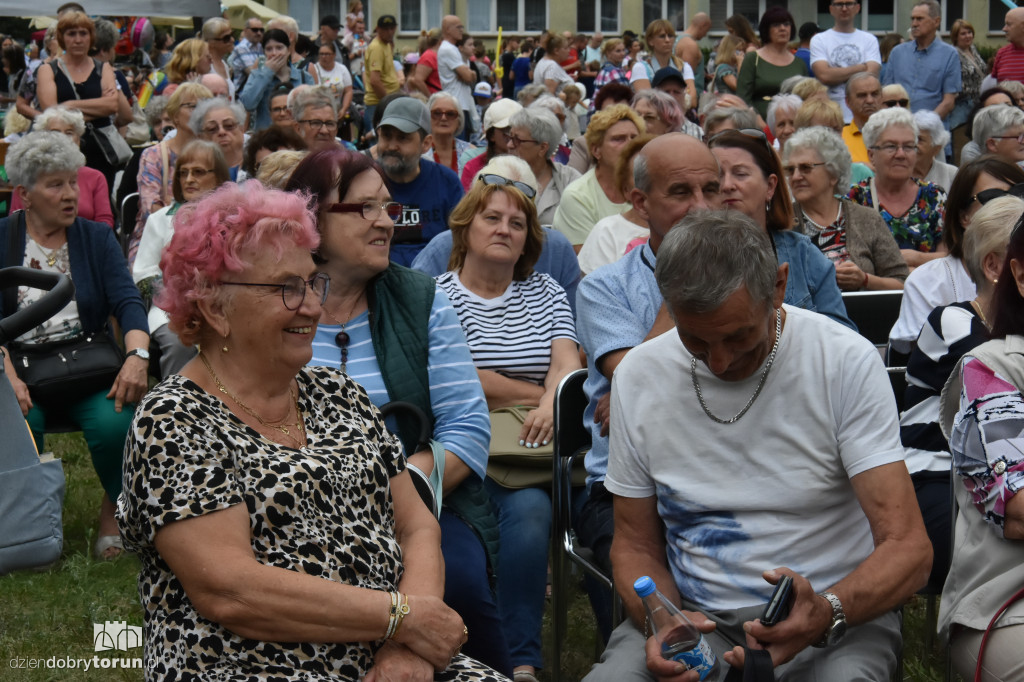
(61,371)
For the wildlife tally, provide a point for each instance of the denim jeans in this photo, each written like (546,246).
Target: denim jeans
(524,519)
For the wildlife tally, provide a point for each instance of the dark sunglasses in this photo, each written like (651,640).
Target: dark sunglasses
(752,133)
(987,195)
(890,103)
(494,179)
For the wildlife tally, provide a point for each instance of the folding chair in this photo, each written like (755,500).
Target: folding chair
(874,313)
(571,441)
(128,215)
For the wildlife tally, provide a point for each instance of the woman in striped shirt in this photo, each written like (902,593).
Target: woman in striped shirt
(522,336)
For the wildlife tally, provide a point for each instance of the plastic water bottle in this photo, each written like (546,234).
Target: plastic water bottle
(679,638)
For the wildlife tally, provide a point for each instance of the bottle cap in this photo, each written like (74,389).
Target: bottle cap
(644,586)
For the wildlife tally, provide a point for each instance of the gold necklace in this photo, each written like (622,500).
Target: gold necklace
(981,313)
(300,440)
(51,256)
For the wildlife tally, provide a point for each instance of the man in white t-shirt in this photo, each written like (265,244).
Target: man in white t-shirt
(751,441)
(841,51)
(457,77)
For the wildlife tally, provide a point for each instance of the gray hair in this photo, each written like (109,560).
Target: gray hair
(106,35)
(213,26)
(155,109)
(708,255)
(741,118)
(39,153)
(990,233)
(785,102)
(552,104)
(286,24)
(934,9)
(205,106)
(786,87)
(63,114)
(641,175)
(830,149)
(992,121)
(929,122)
(542,124)
(531,92)
(440,95)
(886,118)
(311,98)
(859,77)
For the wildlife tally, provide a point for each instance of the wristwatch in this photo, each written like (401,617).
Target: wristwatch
(837,628)
(141,352)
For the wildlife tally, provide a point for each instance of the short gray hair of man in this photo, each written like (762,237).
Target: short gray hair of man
(859,77)
(929,122)
(313,97)
(106,35)
(784,102)
(63,114)
(741,118)
(993,121)
(40,153)
(542,124)
(990,233)
(205,106)
(213,26)
(934,8)
(708,255)
(883,119)
(442,95)
(829,147)
(531,92)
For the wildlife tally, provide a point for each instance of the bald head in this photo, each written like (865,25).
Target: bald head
(1014,27)
(216,84)
(674,175)
(452,29)
(700,24)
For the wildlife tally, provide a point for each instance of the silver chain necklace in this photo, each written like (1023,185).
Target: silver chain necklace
(760,384)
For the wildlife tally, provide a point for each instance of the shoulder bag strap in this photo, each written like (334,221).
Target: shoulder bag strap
(14,226)
(67,74)
(874,195)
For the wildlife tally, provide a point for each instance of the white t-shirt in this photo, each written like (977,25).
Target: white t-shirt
(644,71)
(337,79)
(844,49)
(938,282)
(512,334)
(549,69)
(607,242)
(448,59)
(772,489)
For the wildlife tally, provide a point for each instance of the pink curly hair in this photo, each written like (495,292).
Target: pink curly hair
(221,233)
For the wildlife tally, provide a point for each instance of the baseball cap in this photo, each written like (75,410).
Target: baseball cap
(387,21)
(500,113)
(665,73)
(482,90)
(331,21)
(808,30)
(408,114)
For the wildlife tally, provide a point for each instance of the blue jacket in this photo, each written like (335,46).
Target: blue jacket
(812,277)
(259,88)
(103,284)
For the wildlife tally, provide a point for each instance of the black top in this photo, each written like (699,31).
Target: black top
(90,88)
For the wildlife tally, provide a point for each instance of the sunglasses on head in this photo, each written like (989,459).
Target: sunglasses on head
(494,179)
(987,195)
(890,103)
(752,133)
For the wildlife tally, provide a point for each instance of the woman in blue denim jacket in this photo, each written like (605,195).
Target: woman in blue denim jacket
(752,184)
(275,70)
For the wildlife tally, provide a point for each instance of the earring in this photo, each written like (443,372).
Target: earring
(995,280)
(224,348)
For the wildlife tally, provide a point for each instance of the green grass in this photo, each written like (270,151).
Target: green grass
(51,613)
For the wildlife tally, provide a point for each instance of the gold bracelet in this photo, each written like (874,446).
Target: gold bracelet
(392,616)
(403,611)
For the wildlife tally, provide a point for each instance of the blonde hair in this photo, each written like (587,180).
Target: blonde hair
(821,112)
(809,88)
(276,168)
(185,58)
(605,119)
(727,49)
(197,90)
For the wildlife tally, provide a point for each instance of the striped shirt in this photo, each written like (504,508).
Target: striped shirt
(461,421)
(512,334)
(1009,64)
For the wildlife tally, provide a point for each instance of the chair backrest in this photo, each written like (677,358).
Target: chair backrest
(898,382)
(874,313)
(128,216)
(570,401)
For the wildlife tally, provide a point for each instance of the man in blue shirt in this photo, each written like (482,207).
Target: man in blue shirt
(927,67)
(427,191)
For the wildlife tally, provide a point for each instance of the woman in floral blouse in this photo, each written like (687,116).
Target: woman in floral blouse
(972,71)
(912,208)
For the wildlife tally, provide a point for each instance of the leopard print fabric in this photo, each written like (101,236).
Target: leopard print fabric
(324,510)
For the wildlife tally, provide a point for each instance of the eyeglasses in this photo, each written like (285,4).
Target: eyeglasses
(226,126)
(278,110)
(197,173)
(516,141)
(987,195)
(844,5)
(371,210)
(440,115)
(747,132)
(893,148)
(225,39)
(317,125)
(293,289)
(1019,138)
(255,30)
(494,179)
(890,103)
(804,168)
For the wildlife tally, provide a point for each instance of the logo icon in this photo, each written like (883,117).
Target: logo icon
(116,635)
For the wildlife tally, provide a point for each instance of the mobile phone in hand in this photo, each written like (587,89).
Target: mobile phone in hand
(780,602)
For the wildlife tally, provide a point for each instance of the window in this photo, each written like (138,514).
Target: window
(996,16)
(597,15)
(952,10)
(751,9)
(513,16)
(876,16)
(673,10)
(417,15)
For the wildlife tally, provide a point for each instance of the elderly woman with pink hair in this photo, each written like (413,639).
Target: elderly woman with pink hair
(278,530)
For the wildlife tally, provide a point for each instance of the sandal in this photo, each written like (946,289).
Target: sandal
(105,543)
(523,676)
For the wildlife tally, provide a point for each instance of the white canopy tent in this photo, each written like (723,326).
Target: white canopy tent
(145,8)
